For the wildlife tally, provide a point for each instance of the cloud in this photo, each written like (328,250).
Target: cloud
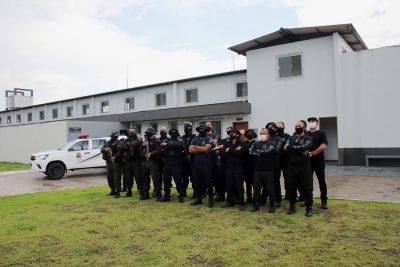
(377,21)
(62,49)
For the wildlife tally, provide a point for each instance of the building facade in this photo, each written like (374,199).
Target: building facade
(327,72)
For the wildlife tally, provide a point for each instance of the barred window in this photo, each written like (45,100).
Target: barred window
(191,95)
(161,99)
(241,89)
(289,66)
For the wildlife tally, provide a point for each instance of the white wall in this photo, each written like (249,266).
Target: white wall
(292,99)
(20,142)
(370,96)
(96,128)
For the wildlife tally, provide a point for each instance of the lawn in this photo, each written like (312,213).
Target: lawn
(13,166)
(84,227)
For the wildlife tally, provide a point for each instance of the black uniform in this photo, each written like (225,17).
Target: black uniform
(249,172)
(222,171)
(266,154)
(277,171)
(299,168)
(283,162)
(188,162)
(218,180)
(174,155)
(202,168)
(134,156)
(318,161)
(152,165)
(114,167)
(234,162)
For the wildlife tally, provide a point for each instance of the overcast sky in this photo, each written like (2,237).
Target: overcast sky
(71,48)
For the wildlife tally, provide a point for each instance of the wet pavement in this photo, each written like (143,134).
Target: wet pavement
(343,187)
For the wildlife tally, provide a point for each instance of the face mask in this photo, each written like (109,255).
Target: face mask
(250,136)
(202,133)
(133,135)
(174,135)
(208,129)
(163,134)
(263,137)
(299,130)
(271,132)
(114,137)
(188,129)
(281,130)
(232,135)
(313,125)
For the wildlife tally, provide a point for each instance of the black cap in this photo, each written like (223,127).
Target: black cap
(250,131)
(173,131)
(312,119)
(150,131)
(114,133)
(202,127)
(235,130)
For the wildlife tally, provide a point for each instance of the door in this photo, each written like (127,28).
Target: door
(96,159)
(329,126)
(241,126)
(78,155)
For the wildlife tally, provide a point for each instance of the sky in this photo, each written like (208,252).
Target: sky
(69,48)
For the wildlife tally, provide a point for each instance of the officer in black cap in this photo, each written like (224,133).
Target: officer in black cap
(234,152)
(152,162)
(222,168)
(320,142)
(251,137)
(133,153)
(202,166)
(299,169)
(283,158)
(113,157)
(174,151)
(188,162)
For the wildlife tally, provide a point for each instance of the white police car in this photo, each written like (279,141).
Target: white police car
(77,154)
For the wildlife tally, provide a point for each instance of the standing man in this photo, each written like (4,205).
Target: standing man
(283,158)
(266,153)
(152,163)
(234,152)
(320,141)
(202,166)
(218,180)
(188,161)
(174,151)
(222,165)
(299,168)
(134,155)
(251,136)
(113,157)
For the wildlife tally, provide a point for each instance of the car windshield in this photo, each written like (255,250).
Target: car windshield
(68,145)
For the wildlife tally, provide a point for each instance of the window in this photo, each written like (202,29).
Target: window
(289,66)
(241,89)
(161,99)
(130,103)
(29,116)
(54,113)
(8,119)
(191,95)
(70,111)
(154,125)
(85,109)
(18,119)
(138,128)
(104,107)
(41,115)
(81,145)
(98,143)
(173,125)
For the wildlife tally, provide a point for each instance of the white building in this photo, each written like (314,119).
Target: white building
(292,74)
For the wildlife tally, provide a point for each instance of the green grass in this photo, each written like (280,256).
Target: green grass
(13,166)
(82,227)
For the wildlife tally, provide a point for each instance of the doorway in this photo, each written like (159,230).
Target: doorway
(242,125)
(329,126)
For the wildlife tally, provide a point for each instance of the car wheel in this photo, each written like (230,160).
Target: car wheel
(56,171)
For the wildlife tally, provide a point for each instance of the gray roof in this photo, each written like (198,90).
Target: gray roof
(290,35)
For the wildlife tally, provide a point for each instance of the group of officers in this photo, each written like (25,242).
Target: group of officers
(219,168)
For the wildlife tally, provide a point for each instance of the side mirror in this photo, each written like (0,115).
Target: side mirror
(71,149)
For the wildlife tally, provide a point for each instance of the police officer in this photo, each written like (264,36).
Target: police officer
(152,163)
(188,161)
(163,134)
(222,168)
(266,153)
(320,141)
(113,157)
(134,156)
(283,158)
(174,150)
(234,151)
(202,166)
(251,137)
(218,179)
(299,168)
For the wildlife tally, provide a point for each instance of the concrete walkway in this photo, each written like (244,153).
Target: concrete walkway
(372,188)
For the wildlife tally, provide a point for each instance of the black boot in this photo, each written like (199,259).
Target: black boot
(324,205)
(228,205)
(185,193)
(181,199)
(277,204)
(256,207)
(309,211)
(211,202)
(197,201)
(112,193)
(292,209)
(166,198)
(146,195)
(141,197)
(128,194)
(117,195)
(159,196)
(272,206)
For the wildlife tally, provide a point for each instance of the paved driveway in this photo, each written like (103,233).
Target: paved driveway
(345,187)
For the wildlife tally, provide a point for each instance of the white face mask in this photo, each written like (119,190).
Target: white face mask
(263,137)
(313,125)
